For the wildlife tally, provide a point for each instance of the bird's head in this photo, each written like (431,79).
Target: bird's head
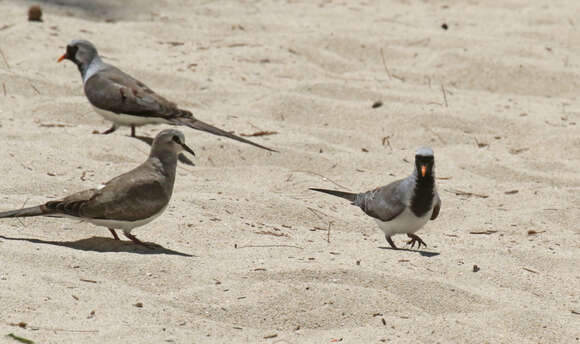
(172,140)
(80,52)
(424,162)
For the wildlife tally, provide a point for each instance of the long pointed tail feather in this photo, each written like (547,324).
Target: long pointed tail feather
(24,212)
(200,125)
(346,195)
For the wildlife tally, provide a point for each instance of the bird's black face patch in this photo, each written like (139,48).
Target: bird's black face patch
(71,53)
(177,140)
(427,161)
(425,184)
(424,159)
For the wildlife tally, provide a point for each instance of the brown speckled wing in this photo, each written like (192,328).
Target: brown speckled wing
(135,195)
(115,91)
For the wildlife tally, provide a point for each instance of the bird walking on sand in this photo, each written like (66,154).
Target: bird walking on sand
(403,206)
(126,101)
(130,200)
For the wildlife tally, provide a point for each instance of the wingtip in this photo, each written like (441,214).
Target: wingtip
(195,123)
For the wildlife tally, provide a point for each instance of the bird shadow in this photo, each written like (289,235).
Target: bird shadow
(99,10)
(427,254)
(149,140)
(100,244)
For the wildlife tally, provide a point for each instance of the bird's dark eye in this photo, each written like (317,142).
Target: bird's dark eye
(176,139)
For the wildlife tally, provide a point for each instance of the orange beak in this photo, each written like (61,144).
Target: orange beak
(423,170)
(62,57)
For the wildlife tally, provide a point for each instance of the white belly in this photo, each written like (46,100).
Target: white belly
(128,120)
(126,226)
(405,223)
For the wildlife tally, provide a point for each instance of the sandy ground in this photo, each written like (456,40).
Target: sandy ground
(246,252)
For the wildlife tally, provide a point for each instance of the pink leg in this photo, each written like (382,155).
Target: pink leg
(114,234)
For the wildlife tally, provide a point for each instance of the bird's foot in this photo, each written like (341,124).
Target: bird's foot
(390,241)
(133,131)
(415,240)
(138,242)
(114,234)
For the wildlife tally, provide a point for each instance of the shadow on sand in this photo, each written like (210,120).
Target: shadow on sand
(100,244)
(100,10)
(427,254)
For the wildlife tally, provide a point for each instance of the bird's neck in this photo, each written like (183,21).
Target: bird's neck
(422,200)
(88,69)
(166,165)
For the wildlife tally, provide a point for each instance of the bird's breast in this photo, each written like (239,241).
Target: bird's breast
(406,222)
(128,120)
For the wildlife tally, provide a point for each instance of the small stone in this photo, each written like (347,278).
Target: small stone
(35,13)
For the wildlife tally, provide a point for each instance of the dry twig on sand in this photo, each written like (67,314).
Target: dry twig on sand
(466,193)
(4,58)
(385,64)
(487,232)
(260,133)
(323,178)
(266,246)
(444,95)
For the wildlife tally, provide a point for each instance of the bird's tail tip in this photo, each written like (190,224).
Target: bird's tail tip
(24,212)
(194,123)
(346,195)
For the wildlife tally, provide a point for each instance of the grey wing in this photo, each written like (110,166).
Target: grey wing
(113,90)
(384,203)
(436,206)
(127,200)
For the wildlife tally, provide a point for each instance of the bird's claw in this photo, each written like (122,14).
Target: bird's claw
(415,240)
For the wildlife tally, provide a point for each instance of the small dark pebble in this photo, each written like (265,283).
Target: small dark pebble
(475,268)
(444,26)
(35,13)
(377,104)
